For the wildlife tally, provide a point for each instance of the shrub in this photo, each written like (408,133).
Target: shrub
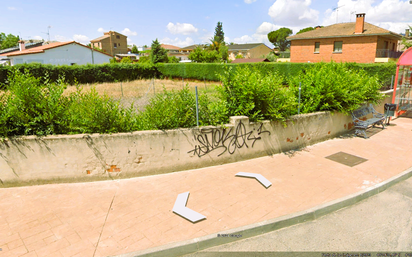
(173,59)
(250,93)
(32,107)
(171,109)
(126,60)
(177,109)
(335,87)
(91,113)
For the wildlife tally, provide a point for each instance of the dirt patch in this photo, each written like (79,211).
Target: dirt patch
(139,92)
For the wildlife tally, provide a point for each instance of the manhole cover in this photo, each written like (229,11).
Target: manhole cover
(346,159)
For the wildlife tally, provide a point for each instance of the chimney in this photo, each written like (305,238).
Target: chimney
(21,45)
(406,32)
(360,22)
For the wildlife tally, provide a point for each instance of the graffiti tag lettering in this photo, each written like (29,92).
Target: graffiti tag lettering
(211,139)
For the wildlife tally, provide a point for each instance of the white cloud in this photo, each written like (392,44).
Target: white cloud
(100,30)
(266,27)
(177,42)
(82,39)
(389,14)
(128,32)
(181,28)
(11,8)
(60,38)
(249,1)
(207,36)
(293,13)
(397,27)
(244,39)
(37,38)
(261,34)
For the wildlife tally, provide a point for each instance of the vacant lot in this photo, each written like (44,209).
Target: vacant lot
(140,91)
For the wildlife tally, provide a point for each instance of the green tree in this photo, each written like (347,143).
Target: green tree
(8,41)
(205,55)
(158,53)
(224,52)
(135,50)
(173,59)
(219,34)
(305,30)
(126,60)
(144,59)
(278,38)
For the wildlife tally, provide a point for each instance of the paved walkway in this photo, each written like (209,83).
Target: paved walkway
(381,223)
(115,217)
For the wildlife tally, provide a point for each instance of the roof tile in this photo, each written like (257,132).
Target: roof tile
(343,30)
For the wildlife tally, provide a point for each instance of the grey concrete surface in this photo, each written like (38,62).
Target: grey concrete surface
(380,223)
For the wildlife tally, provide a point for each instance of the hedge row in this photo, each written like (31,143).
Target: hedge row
(212,71)
(85,73)
(201,71)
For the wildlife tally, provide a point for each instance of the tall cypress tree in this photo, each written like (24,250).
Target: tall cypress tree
(158,53)
(219,35)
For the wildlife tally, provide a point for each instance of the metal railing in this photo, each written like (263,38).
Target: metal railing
(385,53)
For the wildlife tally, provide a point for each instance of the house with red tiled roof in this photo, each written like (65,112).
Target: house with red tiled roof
(57,53)
(358,41)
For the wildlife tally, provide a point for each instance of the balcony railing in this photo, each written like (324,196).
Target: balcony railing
(284,55)
(385,53)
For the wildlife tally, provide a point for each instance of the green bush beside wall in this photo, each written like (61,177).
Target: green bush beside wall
(99,73)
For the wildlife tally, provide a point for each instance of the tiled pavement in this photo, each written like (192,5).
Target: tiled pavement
(115,217)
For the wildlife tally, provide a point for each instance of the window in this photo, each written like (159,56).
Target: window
(317,45)
(115,45)
(337,47)
(118,37)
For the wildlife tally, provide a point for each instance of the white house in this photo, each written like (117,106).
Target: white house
(57,53)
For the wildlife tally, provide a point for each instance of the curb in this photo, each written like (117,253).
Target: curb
(202,243)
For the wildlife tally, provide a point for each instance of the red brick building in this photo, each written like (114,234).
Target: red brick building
(357,41)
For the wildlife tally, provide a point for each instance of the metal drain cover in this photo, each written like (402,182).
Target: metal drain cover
(346,159)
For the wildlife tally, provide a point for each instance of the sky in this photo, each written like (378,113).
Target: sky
(183,23)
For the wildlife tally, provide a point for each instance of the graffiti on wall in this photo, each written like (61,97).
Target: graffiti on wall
(226,140)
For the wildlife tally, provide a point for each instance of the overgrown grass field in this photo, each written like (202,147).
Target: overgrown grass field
(141,91)
(41,106)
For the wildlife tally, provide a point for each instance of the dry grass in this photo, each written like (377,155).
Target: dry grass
(139,92)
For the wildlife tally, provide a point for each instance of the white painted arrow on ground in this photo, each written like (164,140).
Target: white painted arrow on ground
(266,183)
(181,209)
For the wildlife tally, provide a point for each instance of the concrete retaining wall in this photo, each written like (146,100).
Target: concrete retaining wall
(66,158)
